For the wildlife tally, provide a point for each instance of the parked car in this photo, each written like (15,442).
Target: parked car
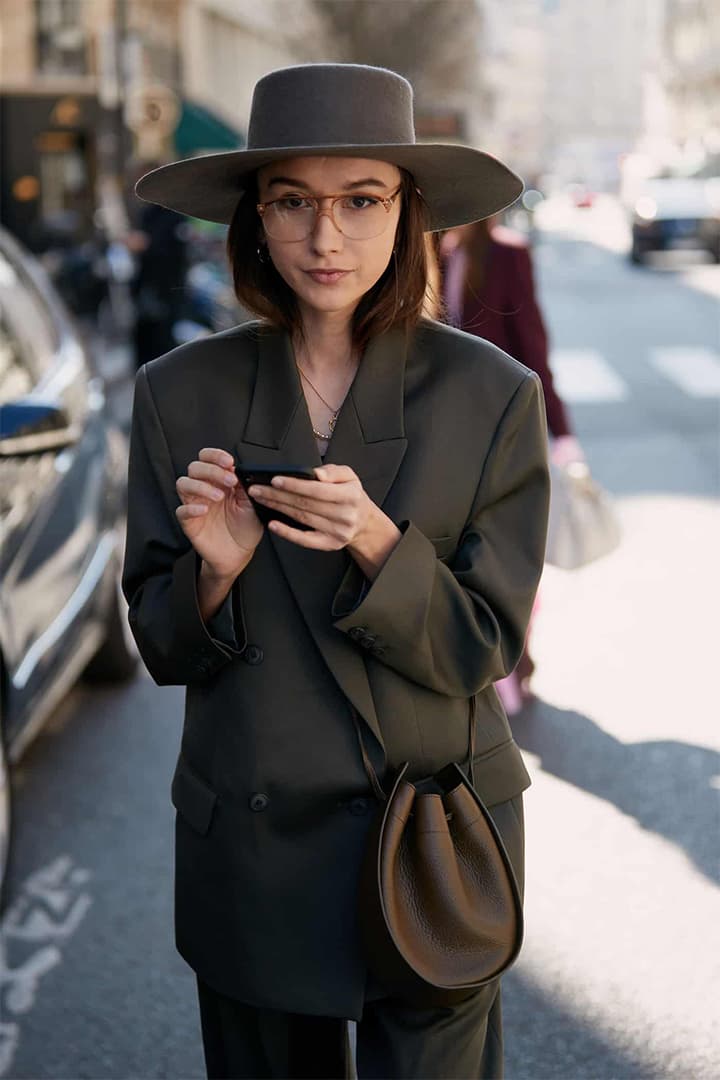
(63,470)
(675,212)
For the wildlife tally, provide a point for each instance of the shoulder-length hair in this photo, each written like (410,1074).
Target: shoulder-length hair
(396,299)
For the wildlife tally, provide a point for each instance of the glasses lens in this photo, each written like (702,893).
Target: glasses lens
(359,217)
(289,219)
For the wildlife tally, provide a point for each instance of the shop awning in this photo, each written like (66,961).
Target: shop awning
(199,129)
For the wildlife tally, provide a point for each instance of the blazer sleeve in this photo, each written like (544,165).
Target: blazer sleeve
(457,629)
(160,569)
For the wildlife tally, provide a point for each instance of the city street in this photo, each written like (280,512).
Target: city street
(620,966)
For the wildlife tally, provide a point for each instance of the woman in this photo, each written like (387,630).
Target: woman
(488,290)
(405,588)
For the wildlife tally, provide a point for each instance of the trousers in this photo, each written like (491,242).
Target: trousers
(394,1041)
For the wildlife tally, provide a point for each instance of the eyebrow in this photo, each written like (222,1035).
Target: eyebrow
(290,182)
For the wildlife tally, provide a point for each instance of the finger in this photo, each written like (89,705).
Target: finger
(187,487)
(318,540)
(217,456)
(335,474)
(309,488)
(307,510)
(202,470)
(190,510)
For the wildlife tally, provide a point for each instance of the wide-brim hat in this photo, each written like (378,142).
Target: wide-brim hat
(338,110)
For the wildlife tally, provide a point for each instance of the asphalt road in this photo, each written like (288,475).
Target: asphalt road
(620,969)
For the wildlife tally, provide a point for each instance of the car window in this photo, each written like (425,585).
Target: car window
(25,310)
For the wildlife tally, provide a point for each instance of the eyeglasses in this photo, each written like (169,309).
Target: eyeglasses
(357,216)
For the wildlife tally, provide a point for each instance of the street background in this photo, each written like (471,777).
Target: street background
(619,973)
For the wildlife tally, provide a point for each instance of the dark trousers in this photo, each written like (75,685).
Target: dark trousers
(394,1041)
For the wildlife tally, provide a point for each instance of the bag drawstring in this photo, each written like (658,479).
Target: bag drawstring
(370,769)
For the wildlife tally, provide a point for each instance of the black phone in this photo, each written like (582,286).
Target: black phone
(263,474)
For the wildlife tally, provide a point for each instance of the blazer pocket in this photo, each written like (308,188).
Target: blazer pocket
(192,798)
(444,545)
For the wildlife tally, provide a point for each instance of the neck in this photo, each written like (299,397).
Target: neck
(326,342)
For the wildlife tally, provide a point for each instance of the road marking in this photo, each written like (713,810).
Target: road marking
(51,905)
(694,368)
(583,375)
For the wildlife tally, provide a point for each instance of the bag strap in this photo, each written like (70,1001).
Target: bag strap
(370,769)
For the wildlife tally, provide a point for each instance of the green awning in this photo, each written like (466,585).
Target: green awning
(199,129)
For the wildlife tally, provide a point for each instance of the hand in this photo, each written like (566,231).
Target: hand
(335,505)
(565,450)
(216,515)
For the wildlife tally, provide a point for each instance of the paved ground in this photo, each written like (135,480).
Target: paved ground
(620,968)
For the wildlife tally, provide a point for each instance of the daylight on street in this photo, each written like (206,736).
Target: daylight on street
(617,722)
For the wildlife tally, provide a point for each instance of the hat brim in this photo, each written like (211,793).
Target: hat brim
(458,183)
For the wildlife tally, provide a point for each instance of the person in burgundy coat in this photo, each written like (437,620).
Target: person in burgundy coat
(488,290)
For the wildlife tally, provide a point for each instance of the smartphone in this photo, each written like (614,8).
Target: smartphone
(263,474)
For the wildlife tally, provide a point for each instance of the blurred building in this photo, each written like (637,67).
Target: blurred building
(599,56)
(71,79)
(570,84)
(227,45)
(514,62)
(692,84)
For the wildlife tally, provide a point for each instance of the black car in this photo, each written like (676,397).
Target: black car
(675,212)
(63,474)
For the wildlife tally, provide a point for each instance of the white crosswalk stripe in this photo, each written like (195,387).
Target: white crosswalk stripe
(694,368)
(584,376)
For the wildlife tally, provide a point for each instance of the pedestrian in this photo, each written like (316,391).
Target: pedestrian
(402,589)
(161,248)
(488,290)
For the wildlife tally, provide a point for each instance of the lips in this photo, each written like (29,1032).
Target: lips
(327,277)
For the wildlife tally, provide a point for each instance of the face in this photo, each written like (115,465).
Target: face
(300,262)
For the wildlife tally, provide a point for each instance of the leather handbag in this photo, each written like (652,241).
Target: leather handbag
(440,912)
(583,525)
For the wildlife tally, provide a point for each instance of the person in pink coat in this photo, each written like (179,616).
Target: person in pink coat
(488,290)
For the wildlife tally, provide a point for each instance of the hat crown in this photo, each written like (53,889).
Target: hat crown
(331,105)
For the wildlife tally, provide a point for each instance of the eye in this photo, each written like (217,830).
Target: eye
(360,202)
(292,202)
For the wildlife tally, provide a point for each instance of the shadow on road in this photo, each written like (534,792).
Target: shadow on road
(545,1042)
(666,785)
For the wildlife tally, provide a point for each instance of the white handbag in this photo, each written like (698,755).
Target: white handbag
(583,525)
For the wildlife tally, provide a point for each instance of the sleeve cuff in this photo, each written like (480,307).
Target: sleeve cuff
(208,647)
(389,608)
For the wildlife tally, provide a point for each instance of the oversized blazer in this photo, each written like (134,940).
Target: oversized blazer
(448,435)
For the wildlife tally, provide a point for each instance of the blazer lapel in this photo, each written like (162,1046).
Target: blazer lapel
(369,437)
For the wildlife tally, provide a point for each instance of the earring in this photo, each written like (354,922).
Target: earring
(262,254)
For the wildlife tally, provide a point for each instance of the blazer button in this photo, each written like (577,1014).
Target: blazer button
(358,807)
(253,654)
(367,641)
(357,632)
(259,801)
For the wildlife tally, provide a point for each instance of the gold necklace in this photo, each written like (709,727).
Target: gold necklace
(335,412)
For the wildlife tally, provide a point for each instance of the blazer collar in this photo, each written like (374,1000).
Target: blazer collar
(369,437)
(376,393)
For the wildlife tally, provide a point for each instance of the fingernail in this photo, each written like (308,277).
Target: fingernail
(217,495)
(230,479)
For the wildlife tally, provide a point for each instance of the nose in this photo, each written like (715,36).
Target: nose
(326,236)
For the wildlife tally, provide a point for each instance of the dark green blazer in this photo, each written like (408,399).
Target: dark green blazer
(447,433)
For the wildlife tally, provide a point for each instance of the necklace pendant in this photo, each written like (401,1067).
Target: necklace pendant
(332,422)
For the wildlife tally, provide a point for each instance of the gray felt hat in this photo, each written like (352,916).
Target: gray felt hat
(343,110)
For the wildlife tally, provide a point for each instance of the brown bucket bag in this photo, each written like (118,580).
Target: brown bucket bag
(440,912)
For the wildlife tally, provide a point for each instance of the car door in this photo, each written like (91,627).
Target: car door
(46,492)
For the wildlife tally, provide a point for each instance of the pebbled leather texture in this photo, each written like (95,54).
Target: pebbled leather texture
(440,909)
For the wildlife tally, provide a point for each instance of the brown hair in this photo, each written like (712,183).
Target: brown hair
(475,238)
(396,299)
